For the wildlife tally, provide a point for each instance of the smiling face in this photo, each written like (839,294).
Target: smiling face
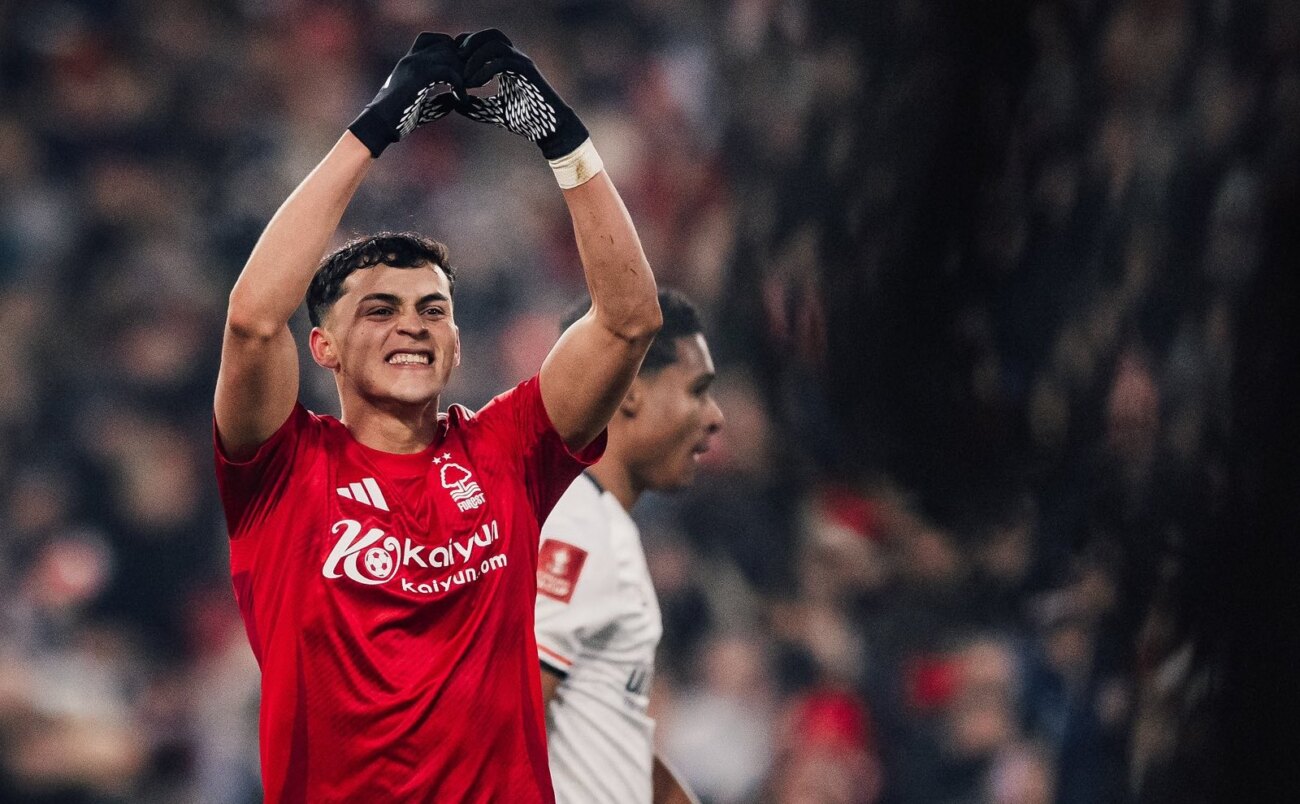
(670,418)
(390,338)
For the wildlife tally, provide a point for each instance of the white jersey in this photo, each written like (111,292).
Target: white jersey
(597,626)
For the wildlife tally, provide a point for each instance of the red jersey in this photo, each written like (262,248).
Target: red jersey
(389,601)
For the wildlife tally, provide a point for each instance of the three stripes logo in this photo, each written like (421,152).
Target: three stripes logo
(365,492)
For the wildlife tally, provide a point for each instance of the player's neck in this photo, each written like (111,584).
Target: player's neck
(614,477)
(401,430)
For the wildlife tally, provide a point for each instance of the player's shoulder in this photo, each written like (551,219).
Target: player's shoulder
(308,418)
(294,433)
(581,517)
(457,416)
(327,432)
(476,431)
(522,401)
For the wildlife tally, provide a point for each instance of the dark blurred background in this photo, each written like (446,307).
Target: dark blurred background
(1004,301)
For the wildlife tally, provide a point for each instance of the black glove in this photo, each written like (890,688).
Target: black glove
(524,104)
(405,100)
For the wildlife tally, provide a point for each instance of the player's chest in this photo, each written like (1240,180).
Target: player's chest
(629,604)
(641,604)
(640,625)
(418,535)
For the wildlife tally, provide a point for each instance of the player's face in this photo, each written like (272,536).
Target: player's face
(391,336)
(676,419)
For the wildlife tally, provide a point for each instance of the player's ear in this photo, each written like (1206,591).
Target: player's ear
(456,361)
(322,349)
(633,400)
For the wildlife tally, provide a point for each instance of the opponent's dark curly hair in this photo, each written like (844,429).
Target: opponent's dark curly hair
(397,249)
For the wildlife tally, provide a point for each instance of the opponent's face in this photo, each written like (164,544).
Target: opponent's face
(673,418)
(390,337)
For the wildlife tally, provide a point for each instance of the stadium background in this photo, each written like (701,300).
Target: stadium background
(979,278)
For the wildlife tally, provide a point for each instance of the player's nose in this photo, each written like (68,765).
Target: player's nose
(412,324)
(714,420)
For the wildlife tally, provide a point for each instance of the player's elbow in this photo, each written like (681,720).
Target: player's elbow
(250,315)
(639,323)
(249,324)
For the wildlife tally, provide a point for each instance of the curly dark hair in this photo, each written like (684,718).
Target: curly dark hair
(681,320)
(395,249)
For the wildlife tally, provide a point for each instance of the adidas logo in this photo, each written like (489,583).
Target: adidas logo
(366,492)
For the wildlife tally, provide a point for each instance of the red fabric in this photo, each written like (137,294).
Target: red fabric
(932,682)
(396,646)
(847,508)
(558,568)
(829,718)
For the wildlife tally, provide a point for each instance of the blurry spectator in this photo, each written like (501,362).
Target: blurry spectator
(719,734)
(69,686)
(1021,774)
(827,752)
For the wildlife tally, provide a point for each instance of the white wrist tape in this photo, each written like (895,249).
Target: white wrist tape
(577,166)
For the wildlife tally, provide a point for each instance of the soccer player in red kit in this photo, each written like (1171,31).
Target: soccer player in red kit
(385,562)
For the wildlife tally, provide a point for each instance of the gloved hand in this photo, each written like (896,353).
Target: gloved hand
(524,104)
(406,99)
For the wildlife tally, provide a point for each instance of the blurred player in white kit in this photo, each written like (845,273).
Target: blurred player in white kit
(598,622)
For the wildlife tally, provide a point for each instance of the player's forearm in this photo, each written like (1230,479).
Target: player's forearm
(622,286)
(275,278)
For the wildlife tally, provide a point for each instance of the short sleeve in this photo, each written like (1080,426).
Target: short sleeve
(248,488)
(577,581)
(549,466)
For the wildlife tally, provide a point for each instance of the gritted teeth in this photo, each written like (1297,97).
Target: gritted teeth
(409,358)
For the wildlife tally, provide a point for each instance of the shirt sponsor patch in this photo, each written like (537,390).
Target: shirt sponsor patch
(558,567)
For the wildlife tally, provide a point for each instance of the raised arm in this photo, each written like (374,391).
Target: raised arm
(258,380)
(587,374)
(590,368)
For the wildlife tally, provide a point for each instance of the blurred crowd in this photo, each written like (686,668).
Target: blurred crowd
(972,276)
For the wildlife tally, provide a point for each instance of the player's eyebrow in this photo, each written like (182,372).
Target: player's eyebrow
(396,301)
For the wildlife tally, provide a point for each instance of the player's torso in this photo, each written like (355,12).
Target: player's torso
(404,612)
(601,737)
(415,542)
(420,554)
(621,655)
